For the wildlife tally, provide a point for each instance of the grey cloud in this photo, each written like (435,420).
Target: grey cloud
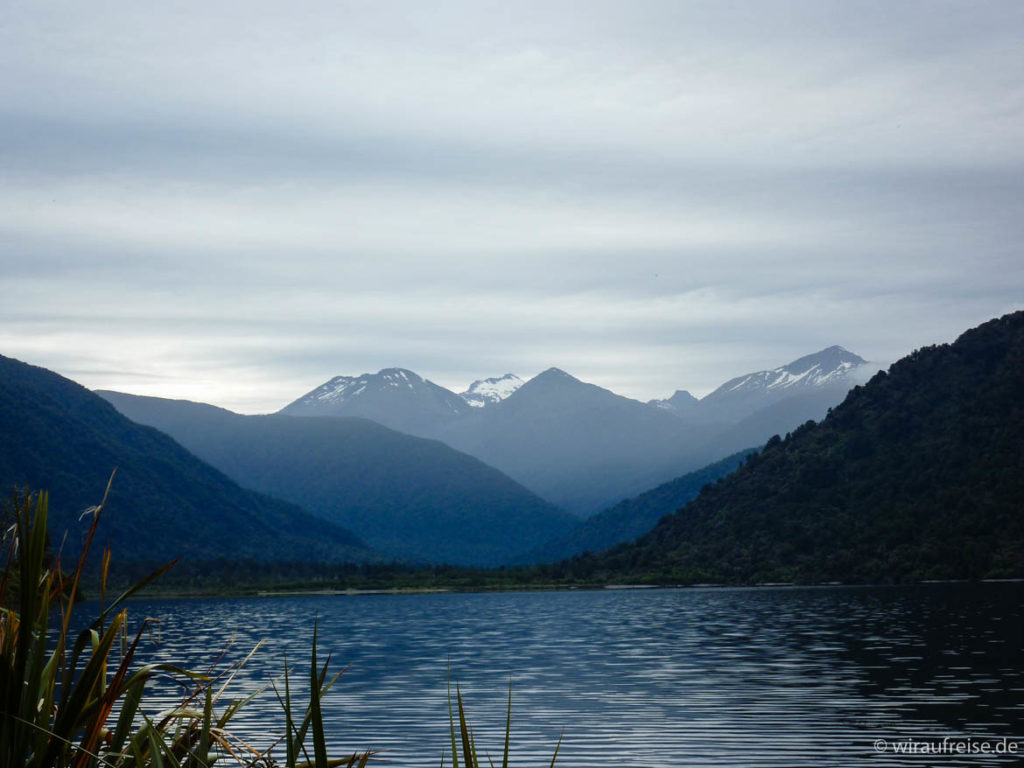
(651,195)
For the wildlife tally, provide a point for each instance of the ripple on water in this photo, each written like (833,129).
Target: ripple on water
(725,677)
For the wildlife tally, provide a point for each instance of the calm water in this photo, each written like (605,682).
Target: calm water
(758,677)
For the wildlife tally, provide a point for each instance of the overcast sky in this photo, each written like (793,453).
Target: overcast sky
(234,201)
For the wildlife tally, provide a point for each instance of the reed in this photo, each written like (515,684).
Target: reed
(79,702)
(466,739)
(58,694)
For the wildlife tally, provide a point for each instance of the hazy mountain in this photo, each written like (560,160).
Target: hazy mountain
(578,445)
(484,392)
(778,418)
(407,496)
(633,517)
(582,447)
(165,502)
(833,370)
(394,397)
(918,474)
(681,402)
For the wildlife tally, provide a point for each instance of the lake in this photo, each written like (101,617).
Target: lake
(675,677)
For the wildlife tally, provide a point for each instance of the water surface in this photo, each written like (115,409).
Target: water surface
(689,677)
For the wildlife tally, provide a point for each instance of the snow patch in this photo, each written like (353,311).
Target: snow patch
(484,392)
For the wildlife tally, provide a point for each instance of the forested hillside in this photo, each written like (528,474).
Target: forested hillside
(165,502)
(917,475)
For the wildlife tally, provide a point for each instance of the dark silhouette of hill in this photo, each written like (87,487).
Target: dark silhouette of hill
(410,497)
(165,502)
(919,474)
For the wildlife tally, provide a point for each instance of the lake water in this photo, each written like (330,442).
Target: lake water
(688,677)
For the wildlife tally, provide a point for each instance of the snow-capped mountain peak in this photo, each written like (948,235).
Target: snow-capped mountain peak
(395,397)
(484,392)
(820,369)
(342,388)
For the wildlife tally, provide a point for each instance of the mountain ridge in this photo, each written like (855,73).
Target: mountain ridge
(583,447)
(414,498)
(164,503)
(831,369)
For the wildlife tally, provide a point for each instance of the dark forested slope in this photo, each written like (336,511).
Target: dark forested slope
(165,502)
(407,496)
(919,474)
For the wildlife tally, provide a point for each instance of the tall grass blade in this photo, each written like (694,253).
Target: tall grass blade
(40,728)
(203,752)
(317,680)
(508,725)
(451,722)
(558,746)
(467,747)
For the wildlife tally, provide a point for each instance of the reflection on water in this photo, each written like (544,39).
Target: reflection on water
(726,677)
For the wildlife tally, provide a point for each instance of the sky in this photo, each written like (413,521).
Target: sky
(233,202)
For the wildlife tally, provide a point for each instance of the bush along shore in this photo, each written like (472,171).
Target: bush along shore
(81,701)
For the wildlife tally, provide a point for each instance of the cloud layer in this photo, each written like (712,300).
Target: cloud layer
(234,201)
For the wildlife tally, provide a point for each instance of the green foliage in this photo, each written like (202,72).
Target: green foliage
(465,738)
(57,697)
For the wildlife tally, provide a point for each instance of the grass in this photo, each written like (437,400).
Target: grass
(468,742)
(80,702)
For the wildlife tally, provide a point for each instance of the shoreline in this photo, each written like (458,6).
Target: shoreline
(463,589)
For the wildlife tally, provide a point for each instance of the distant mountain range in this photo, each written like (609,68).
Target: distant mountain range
(460,497)
(582,447)
(412,498)
(58,436)
(833,370)
(919,474)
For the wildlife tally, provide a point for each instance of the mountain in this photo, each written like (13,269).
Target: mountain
(394,397)
(919,474)
(484,392)
(578,445)
(165,502)
(582,447)
(833,370)
(777,418)
(410,497)
(633,517)
(681,402)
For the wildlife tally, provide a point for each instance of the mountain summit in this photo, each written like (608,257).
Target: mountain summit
(680,402)
(830,372)
(484,392)
(576,444)
(394,397)
(816,370)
